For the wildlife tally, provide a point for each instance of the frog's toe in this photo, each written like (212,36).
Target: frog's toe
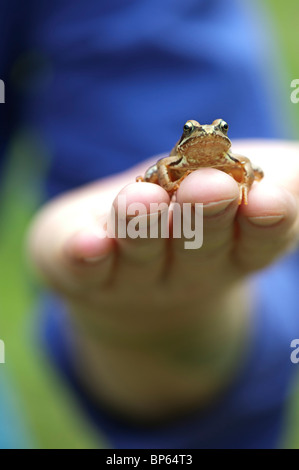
(243,195)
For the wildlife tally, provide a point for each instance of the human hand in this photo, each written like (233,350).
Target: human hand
(151,307)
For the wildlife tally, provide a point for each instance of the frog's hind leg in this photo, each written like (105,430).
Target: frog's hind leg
(258,173)
(151,175)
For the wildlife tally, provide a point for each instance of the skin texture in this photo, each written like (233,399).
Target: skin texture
(159,330)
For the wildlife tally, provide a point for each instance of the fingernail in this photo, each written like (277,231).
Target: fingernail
(213,208)
(266,220)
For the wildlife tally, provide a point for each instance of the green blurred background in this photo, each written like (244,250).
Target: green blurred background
(44,401)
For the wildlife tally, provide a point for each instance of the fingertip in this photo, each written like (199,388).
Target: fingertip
(269,205)
(89,245)
(142,192)
(208,186)
(266,226)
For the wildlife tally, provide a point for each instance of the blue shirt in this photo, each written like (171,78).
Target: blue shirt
(13,434)
(103,85)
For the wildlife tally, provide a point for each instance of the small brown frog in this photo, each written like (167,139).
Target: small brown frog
(203,146)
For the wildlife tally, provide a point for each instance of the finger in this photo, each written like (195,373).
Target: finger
(81,255)
(138,211)
(218,193)
(90,248)
(267,226)
(65,240)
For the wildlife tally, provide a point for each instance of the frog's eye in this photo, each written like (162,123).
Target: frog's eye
(188,128)
(224,126)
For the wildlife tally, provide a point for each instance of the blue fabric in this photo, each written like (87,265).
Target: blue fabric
(104,85)
(108,84)
(13,433)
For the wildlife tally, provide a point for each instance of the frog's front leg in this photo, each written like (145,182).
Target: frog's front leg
(247,176)
(170,174)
